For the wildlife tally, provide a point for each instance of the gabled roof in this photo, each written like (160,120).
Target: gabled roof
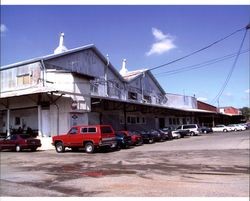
(52,56)
(133,75)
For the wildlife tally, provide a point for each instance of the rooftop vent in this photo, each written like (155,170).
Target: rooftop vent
(124,70)
(61,48)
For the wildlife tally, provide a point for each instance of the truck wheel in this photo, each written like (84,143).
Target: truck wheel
(89,147)
(59,147)
(18,148)
(192,134)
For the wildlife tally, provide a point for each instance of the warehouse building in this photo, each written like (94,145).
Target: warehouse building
(81,86)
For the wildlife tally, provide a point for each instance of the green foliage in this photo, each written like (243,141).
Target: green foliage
(245,112)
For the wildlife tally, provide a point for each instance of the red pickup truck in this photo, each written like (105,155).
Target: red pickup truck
(88,137)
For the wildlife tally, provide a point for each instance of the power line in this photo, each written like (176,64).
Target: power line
(231,70)
(199,50)
(200,65)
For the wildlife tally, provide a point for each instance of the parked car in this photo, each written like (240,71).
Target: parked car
(221,128)
(168,132)
(123,141)
(89,137)
(136,138)
(245,126)
(159,136)
(19,142)
(193,129)
(206,129)
(172,132)
(147,137)
(237,127)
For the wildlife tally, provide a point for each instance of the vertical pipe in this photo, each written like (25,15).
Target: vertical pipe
(8,122)
(39,112)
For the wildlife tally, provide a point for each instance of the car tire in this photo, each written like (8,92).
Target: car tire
(89,147)
(18,148)
(192,133)
(150,141)
(59,147)
(225,130)
(205,132)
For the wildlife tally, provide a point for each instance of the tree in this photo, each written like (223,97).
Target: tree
(245,112)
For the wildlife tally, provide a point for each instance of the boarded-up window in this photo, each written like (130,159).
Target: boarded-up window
(23,79)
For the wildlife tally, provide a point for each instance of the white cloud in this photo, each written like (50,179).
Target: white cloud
(3,28)
(247,91)
(163,42)
(228,94)
(202,99)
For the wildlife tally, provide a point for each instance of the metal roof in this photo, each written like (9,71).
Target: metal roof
(132,75)
(52,56)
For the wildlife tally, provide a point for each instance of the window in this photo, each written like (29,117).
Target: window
(88,130)
(17,121)
(137,120)
(92,130)
(178,121)
(131,120)
(174,121)
(84,130)
(132,95)
(143,120)
(147,99)
(170,121)
(93,87)
(73,130)
(23,79)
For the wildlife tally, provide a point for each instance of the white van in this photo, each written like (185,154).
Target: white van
(194,129)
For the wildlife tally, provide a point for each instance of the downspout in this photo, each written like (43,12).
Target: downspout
(54,103)
(43,66)
(106,76)
(57,123)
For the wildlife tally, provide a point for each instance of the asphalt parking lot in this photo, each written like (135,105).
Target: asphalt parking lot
(210,165)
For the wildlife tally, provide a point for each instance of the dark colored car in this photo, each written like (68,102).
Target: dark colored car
(206,130)
(172,131)
(123,141)
(19,142)
(136,138)
(159,136)
(147,137)
(168,132)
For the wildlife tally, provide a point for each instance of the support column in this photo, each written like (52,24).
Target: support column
(39,113)
(125,116)
(8,122)
(213,121)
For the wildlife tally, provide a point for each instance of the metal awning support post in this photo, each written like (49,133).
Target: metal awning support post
(8,122)
(39,113)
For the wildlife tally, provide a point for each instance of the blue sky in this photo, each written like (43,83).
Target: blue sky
(147,36)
